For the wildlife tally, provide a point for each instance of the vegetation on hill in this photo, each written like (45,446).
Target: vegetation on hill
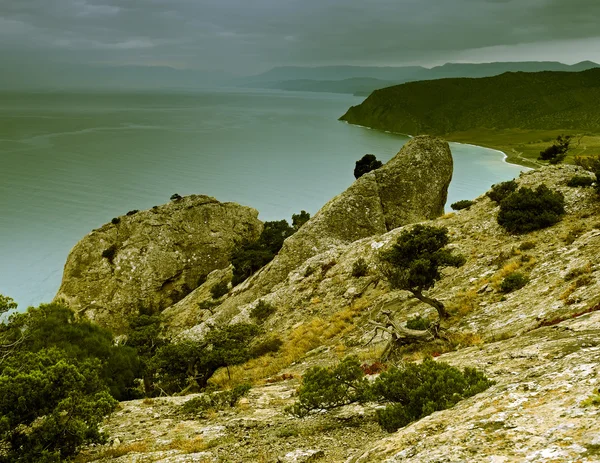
(490,111)
(366,164)
(410,392)
(58,377)
(415,262)
(251,257)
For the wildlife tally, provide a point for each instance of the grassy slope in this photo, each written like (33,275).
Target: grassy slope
(518,113)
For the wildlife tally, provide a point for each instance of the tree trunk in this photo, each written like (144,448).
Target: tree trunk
(437,305)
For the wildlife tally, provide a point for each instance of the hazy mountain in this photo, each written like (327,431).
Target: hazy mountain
(363,80)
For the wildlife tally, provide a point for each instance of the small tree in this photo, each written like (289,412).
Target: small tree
(557,152)
(415,262)
(591,164)
(300,219)
(366,164)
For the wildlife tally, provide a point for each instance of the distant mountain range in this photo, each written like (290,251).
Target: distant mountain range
(361,80)
(513,100)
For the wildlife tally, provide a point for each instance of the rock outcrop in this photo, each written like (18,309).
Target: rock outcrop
(151,259)
(540,344)
(411,187)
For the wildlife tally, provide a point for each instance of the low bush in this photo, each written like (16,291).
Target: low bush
(360,268)
(417,390)
(133,212)
(215,400)
(462,204)
(502,190)
(324,388)
(513,281)
(366,164)
(418,323)
(219,290)
(265,347)
(110,253)
(262,311)
(527,210)
(175,197)
(411,392)
(526,245)
(580,181)
(115,220)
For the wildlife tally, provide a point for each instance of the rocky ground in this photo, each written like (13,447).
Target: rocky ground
(540,344)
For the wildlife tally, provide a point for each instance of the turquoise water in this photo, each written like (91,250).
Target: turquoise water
(71,162)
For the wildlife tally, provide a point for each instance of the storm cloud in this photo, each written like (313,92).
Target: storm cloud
(250,36)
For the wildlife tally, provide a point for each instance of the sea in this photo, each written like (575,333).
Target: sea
(70,162)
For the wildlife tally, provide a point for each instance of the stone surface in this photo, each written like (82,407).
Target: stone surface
(409,188)
(540,344)
(160,255)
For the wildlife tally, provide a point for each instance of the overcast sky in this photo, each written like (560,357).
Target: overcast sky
(248,36)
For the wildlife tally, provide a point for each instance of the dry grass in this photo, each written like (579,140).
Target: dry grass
(193,445)
(306,337)
(508,268)
(454,341)
(464,302)
(113,452)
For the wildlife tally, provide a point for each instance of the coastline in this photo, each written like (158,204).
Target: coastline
(526,163)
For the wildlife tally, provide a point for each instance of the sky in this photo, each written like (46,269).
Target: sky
(250,36)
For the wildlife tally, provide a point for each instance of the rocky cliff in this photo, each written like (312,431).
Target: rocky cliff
(409,188)
(149,260)
(540,344)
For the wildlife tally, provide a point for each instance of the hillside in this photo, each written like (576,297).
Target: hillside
(513,111)
(540,344)
(362,80)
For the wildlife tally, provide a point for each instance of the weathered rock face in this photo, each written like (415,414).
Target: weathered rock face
(152,259)
(411,187)
(540,344)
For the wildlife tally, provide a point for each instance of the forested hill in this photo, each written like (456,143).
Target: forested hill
(514,100)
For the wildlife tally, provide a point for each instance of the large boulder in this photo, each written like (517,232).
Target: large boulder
(411,187)
(150,260)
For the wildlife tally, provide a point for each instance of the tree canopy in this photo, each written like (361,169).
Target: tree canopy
(415,261)
(366,164)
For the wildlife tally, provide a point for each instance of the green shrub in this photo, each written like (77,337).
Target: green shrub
(262,311)
(528,210)
(267,346)
(527,245)
(502,190)
(462,204)
(115,220)
(57,375)
(366,164)
(300,219)
(360,268)
(133,212)
(411,392)
(110,253)
(219,290)
(175,197)
(557,152)
(324,388)
(215,400)
(580,181)
(513,281)
(418,323)
(417,390)
(251,257)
